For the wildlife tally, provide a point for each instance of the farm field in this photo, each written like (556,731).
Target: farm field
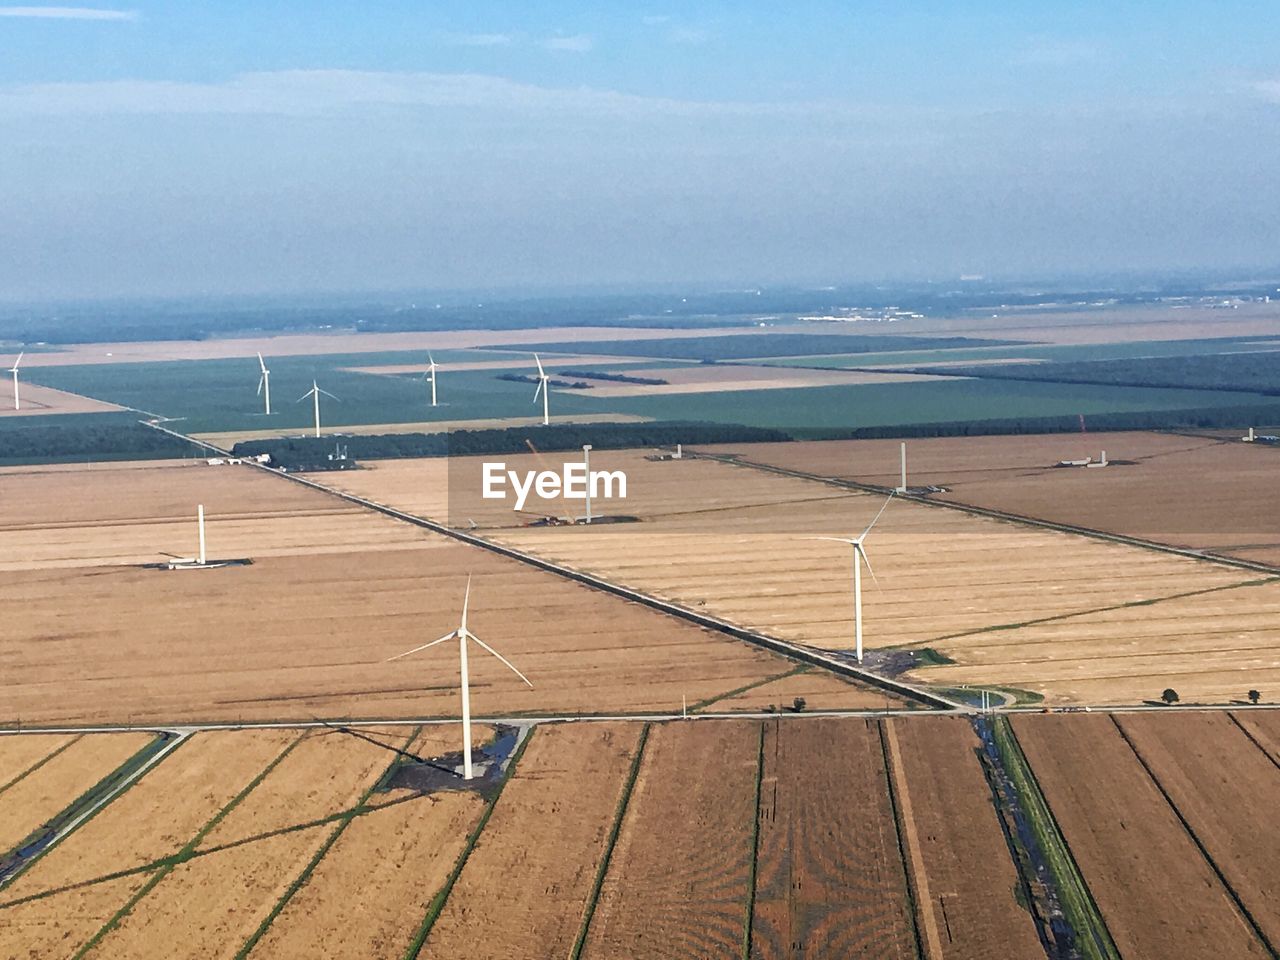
(971,880)
(1067,617)
(1156,892)
(276,639)
(680,874)
(37,401)
(520,900)
(1188,491)
(46,790)
(830,880)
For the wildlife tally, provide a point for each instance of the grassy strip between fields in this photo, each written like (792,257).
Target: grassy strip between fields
(1195,838)
(38,764)
(913,911)
(1091,934)
(184,853)
(74,808)
(442,897)
(343,822)
(748,921)
(624,801)
(794,671)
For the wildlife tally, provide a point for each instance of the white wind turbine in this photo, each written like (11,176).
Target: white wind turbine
(17,405)
(542,389)
(430,376)
(463,634)
(859,557)
(264,385)
(315,392)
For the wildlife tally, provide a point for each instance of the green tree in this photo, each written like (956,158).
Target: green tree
(1170,696)
(1254,696)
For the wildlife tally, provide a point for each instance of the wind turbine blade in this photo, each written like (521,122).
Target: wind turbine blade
(538,392)
(448,636)
(877,518)
(330,395)
(19,360)
(542,373)
(431,360)
(305,395)
(510,666)
(262,363)
(466,602)
(835,540)
(260,380)
(861,551)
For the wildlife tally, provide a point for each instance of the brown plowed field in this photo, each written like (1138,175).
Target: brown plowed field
(58,926)
(734,542)
(830,880)
(305,630)
(372,889)
(679,877)
(819,689)
(1157,894)
(1264,727)
(1228,791)
(517,899)
(20,752)
(1194,492)
(44,793)
(971,879)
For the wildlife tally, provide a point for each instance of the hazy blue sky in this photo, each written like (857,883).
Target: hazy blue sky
(157,148)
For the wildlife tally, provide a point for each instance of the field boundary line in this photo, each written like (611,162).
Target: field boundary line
(606,858)
(343,821)
(1088,926)
(913,891)
(442,895)
(755,684)
(189,847)
(1195,838)
(42,761)
(993,514)
(96,798)
(795,652)
(909,842)
(1253,739)
(748,923)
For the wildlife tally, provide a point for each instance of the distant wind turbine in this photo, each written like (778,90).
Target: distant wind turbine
(463,635)
(859,557)
(430,376)
(17,404)
(542,389)
(264,385)
(315,392)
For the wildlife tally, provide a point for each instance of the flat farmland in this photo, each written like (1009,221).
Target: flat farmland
(1192,492)
(45,791)
(735,542)
(680,875)
(830,880)
(1155,890)
(960,848)
(717,378)
(1201,762)
(38,401)
(515,899)
(19,754)
(334,591)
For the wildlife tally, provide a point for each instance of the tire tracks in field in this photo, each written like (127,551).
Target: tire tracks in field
(1204,851)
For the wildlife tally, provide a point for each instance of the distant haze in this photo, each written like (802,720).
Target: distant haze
(151,150)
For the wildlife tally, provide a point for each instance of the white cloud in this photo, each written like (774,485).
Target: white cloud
(578,43)
(478,39)
(689,36)
(1267,89)
(68,13)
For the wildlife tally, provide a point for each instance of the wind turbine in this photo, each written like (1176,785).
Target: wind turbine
(430,376)
(463,634)
(859,557)
(264,385)
(315,392)
(542,388)
(17,405)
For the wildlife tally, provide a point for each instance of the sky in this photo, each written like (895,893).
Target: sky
(160,149)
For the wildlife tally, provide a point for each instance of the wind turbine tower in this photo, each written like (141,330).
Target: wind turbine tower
(464,636)
(17,404)
(902,486)
(314,393)
(859,558)
(431,376)
(264,386)
(544,390)
(200,523)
